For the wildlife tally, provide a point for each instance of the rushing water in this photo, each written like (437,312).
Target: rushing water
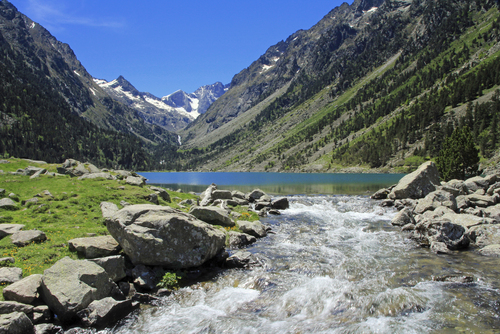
(335,265)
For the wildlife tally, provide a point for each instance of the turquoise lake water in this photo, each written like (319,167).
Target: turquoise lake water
(276,183)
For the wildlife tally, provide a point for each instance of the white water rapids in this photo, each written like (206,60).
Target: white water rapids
(335,265)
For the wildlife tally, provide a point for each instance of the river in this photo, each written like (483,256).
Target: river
(336,265)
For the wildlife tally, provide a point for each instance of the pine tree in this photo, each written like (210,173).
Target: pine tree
(459,157)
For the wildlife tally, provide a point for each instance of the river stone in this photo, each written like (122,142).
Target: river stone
(9,229)
(221,194)
(417,184)
(24,291)
(484,235)
(7,307)
(280,203)
(162,236)
(71,285)
(240,259)
(254,228)
(114,266)
(466,220)
(94,247)
(475,183)
(403,217)
(9,275)
(212,215)
(239,240)
(436,199)
(254,195)
(23,238)
(105,312)
(237,194)
(16,323)
(381,194)
(453,235)
(480,200)
(492,212)
(135,181)
(7,204)
(459,185)
(490,250)
(493,189)
(145,278)
(108,209)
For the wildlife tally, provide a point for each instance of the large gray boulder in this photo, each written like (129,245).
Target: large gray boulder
(212,215)
(7,204)
(475,183)
(485,235)
(9,275)
(9,229)
(436,199)
(105,312)
(222,194)
(108,209)
(71,285)
(239,240)
(114,266)
(23,238)
(135,181)
(7,307)
(417,184)
(403,217)
(162,236)
(24,291)
(254,228)
(94,247)
(16,323)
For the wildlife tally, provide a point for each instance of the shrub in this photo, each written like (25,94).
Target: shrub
(459,157)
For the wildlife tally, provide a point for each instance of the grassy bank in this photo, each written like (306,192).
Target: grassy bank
(72,210)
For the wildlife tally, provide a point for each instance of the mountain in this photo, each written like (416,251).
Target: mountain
(51,108)
(377,85)
(173,112)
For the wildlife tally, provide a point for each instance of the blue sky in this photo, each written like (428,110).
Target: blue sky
(161,46)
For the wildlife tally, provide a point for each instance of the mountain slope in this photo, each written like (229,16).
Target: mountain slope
(371,85)
(51,108)
(173,112)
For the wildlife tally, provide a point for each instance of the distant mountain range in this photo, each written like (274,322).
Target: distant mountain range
(173,112)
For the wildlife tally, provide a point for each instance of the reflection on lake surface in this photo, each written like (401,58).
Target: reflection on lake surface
(277,183)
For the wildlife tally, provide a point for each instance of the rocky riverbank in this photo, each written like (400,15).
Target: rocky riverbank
(447,216)
(115,273)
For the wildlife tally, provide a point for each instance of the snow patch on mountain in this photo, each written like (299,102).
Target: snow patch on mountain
(174,111)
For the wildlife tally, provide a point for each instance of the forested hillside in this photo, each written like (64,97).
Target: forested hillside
(382,88)
(50,108)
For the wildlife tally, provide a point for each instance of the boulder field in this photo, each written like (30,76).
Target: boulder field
(121,270)
(447,216)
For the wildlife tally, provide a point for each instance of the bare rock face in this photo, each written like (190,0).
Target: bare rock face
(417,184)
(162,236)
(70,286)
